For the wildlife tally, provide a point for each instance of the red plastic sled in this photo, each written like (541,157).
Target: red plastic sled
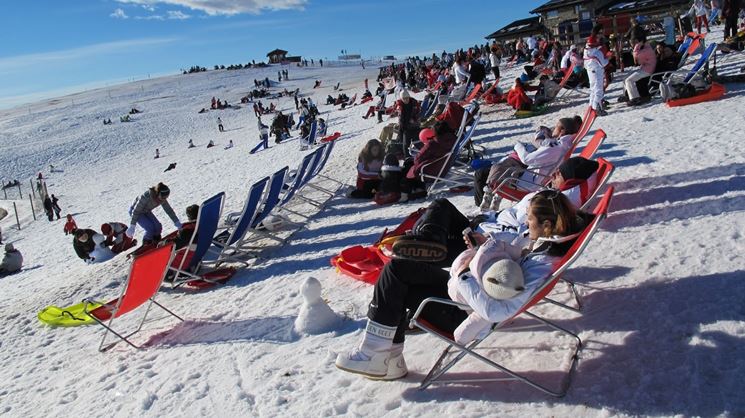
(331,137)
(213,278)
(715,92)
(366,263)
(365,100)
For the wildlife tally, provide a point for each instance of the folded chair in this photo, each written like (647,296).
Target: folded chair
(682,75)
(145,277)
(455,352)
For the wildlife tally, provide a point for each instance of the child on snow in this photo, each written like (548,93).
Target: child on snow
(116,238)
(369,164)
(219,125)
(390,181)
(70,225)
(12,261)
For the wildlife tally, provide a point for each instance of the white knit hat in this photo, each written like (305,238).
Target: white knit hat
(503,279)
(404,94)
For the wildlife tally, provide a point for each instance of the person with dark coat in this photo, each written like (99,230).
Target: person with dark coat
(55,206)
(49,208)
(730,13)
(85,242)
(408,122)
(441,141)
(478,72)
(12,261)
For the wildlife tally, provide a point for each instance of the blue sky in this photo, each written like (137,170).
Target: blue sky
(58,47)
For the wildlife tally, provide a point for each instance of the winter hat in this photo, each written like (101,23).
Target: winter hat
(592,42)
(503,280)
(578,168)
(404,94)
(192,212)
(106,228)
(163,190)
(426,134)
(9,248)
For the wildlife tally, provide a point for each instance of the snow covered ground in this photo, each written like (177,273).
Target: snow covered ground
(664,324)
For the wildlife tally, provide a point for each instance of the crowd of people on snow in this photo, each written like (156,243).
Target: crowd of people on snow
(505,254)
(492,261)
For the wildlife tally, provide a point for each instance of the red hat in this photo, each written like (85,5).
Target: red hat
(106,228)
(426,134)
(592,42)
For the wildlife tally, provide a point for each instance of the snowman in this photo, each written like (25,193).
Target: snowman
(315,316)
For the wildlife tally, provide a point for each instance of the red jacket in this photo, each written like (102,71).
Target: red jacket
(430,152)
(517,98)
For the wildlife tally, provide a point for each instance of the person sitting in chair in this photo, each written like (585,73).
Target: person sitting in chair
(403,284)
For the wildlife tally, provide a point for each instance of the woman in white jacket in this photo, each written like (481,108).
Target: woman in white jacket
(595,63)
(403,284)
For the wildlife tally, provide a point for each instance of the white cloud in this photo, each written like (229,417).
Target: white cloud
(21,62)
(178,15)
(150,17)
(119,14)
(226,7)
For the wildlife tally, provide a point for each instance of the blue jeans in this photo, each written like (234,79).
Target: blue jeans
(151,225)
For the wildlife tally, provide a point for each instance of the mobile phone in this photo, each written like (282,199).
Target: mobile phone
(468,233)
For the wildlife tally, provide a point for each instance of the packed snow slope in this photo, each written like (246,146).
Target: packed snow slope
(663,325)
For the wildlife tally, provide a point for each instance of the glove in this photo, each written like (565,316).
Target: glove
(130,232)
(177,224)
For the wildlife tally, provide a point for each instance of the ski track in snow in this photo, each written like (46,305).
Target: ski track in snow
(664,321)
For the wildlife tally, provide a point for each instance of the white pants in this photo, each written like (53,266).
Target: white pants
(630,83)
(596,74)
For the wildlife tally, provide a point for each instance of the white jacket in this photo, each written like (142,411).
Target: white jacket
(594,58)
(544,159)
(516,218)
(536,267)
(460,73)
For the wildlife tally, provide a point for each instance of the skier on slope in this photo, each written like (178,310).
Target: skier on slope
(141,212)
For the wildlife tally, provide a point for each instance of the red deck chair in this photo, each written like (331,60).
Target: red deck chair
(449,359)
(510,186)
(145,277)
(471,97)
(591,148)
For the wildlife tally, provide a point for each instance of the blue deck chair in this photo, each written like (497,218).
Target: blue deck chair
(668,77)
(229,241)
(310,173)
(311,138)
(206,226)
(708,52)
(297,181)
(270,202)
(329,146)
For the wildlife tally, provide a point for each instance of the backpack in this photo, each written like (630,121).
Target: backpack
(676,91)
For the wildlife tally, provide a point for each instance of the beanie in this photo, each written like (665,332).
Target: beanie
(106,228)
(404,94)
(592,42)
(578,168)
(426,134)
(503,279)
